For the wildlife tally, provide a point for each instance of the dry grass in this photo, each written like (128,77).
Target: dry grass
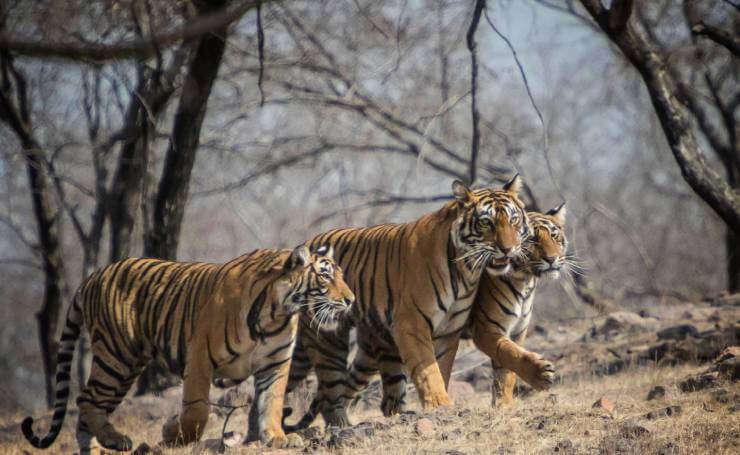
(537,424)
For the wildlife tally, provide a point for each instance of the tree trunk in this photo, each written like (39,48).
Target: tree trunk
(172,193)
(48,234)
(663,90)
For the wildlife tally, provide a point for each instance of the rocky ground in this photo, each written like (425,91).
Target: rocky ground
(657,382)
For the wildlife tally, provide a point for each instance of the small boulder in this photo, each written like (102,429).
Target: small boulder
(605,404)
(564,445)
(678,332)
(699,382)
(656,392)
(665,412)
(424,427)
(632,429)
(625,321)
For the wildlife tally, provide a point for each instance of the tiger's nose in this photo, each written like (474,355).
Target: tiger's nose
(550,259)
(507,250)
(348,302)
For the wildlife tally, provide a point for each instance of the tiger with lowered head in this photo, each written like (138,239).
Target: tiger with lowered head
(204,320)
(415,283)
(503,307)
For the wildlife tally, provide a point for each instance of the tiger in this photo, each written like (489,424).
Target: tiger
(502,308)
(230,320)
(415,283)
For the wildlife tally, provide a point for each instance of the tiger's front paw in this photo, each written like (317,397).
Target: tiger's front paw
(279,440)
(539,372)
(436,400)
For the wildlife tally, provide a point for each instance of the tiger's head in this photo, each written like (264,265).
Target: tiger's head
(491,225)
(544,252)
(316,287)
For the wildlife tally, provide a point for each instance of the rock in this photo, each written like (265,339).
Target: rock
(632,429)
(408,416)
(699,382)
(366,429)
(734,408)
(459,390)
(424,427)
(311,433)
(563,445)
(677,332)
(665,412)
(539,330)
(728,363)
(454,452)
(656,392)
(625,321)
(605,404)
(464,413)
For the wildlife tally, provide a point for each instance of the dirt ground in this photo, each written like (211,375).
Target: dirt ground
(620,357)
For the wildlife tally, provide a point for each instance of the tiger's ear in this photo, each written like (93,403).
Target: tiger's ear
(558,213)
(298,258)
(326,251)
(514,186)
(462,193)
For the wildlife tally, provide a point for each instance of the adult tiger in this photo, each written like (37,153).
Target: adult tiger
(233,319)
(501,312)
(415,283)
(503,307)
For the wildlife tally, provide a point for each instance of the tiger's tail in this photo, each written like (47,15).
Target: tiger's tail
(305,421)
(70,334)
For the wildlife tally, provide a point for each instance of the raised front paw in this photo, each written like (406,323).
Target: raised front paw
(539,372)
(282,441)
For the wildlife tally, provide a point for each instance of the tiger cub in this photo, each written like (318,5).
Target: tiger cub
(232,320)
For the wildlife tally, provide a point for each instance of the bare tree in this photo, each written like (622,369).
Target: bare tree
(675,104)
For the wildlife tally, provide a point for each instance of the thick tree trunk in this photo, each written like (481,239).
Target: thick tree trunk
(172,193)
(16,116)
(652,66)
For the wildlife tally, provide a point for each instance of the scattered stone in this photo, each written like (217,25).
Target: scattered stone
(408,416)
(625,321)
(233,438)
(563,445)
(656,392)
(311,433)
(552,399)
(454,452)
(699,382)
(473,435)
(721,395)
(665,412)
(605,404)
(632,429)
(447,435)
(464,413)
(539,330)
(678,332)
(366,429)
(734,408)
(728,363)
(424,427)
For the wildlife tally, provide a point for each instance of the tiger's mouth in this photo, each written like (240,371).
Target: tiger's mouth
(499,266)
(327,316)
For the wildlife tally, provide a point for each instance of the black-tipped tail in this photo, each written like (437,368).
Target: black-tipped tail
(64,364)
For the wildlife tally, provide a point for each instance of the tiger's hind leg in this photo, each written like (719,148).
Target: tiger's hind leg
(394,377)
(108,384)
(502,389)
